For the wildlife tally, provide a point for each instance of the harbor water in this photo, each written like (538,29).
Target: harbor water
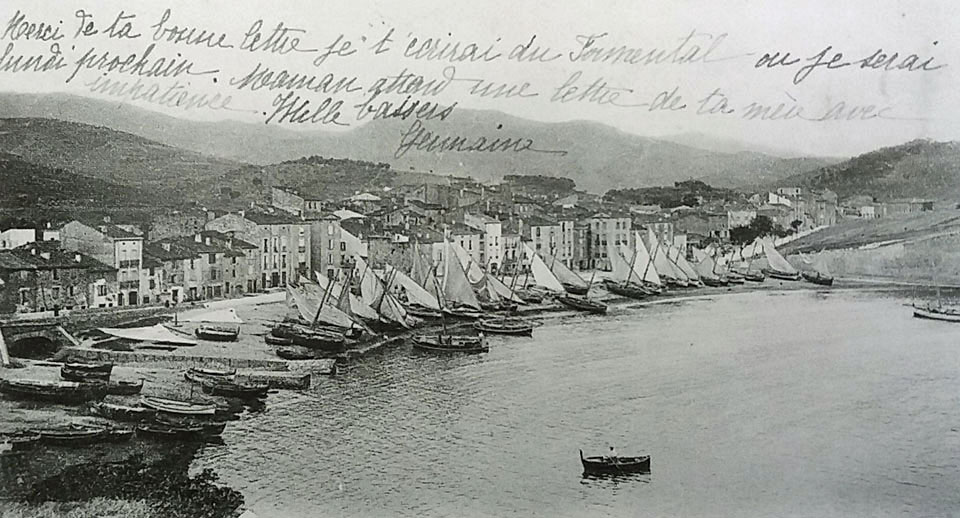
(799,403)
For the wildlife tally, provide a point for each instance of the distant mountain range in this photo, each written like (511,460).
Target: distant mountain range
(598,157)
(920,168)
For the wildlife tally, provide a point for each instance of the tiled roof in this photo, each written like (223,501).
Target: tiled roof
(276,218)
(24,258)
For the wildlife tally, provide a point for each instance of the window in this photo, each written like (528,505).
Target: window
(329,229)
(55,292)
(213,274)
(56,274)
(234,260)
(153,285)
(152,271)
(265,264)
(331,245)
(283,261)
(70,291)
(191,264)
(266,245)
(329,258)
(343,246)
(211,258)
(102,290)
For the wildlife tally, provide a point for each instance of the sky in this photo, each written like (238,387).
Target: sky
(912,104)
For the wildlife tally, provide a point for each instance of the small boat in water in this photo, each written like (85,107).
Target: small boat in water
(173,432)
(124,388)
(208,428)
(18,441)
(218,333)
(86,371)
(174,406)
(582,304)
(600,465)
(505,326)
(123,412)
(450,343)
(937,313)
(63,392)
(74,435)
(235,389)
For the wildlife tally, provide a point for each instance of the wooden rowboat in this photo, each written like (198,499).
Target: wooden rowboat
(505,326)
(582,304)
(599,465)
(62,392)
(276,340)
(124,388)
(173,406)
(943,315)
(817,278)
(74,435)
(86,371)
(218,333)
(123,412)
(450,343)
(295,352)
(234,389)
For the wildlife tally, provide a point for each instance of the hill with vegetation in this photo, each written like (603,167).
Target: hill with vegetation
(27,185)
(920,168)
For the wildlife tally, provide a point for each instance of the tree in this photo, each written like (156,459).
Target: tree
(760,226)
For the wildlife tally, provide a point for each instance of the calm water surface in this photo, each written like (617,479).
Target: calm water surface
(758,404)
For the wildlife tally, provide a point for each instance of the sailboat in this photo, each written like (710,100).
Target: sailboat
(815,271)
(583,302)
(671,275)
(675,255)
(750,273)
(456,291)
(619,281)
(726,272)
(778,268)
(938,312)
(415,298)
(492,294)
(444,341)
(571,282)
(706,269)
(543,277)
(375,293)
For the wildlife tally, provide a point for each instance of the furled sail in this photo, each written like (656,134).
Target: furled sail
(541,272)
(416,294)
(456,286)
(777,262)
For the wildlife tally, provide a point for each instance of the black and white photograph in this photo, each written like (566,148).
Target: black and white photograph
(479,259)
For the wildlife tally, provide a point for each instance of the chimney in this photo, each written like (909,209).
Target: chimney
(165,246)
(45,255)
(206,240)
(78,258)
(198,238)
(33,251)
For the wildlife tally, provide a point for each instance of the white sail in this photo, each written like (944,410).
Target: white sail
(676,256)
(470,267)
(420,268)
(777,262)
(541,272)
(371,289)
(706,267)
(562,273)
(416,294)
(659,256)
(308,298)
(502,290)
(456,286)
(157,334)
(643,267)
(228,315)
(619,263)
(346,302)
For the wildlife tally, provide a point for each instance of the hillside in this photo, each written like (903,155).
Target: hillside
(110,155)
(920,168)
(29,185)
(599,157)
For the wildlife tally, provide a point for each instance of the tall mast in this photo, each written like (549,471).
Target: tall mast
(326,295)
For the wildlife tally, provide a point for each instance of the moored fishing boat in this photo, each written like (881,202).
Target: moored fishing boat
(165,431)
(450,343)
(582,304)
(63,392)
(74,435)
(174,406)
(778,267)
(937,313)
(242,390)
(123,412)
(754,276)
(600,465)
(505,326)
(311,338)
(86,371)
(463,313)
(423,312)
(124,388)
(629,290)
(218,333)
(20,440)
(574,289)
(208,428)
(295,352)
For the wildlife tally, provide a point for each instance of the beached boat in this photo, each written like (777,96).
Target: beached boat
(86,371)
(276,340)
(505,326)
(582,304)
(173,406)
(21,440)
(937,313)
(240,390)
(74,435)
(423,312)
(217,333)
(818,278)
(778,267)
(754,276)
(123,412)
(311,338)
(574,289)
(209,428)
(600,465)
(124,388)
(295,352)
(631,290)
(450,343)
(63,392)
(463,313)
(172,432)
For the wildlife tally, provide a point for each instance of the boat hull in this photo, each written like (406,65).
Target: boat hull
(310,338)
(235,390)
(602,466)
(73,394)
(123,413)
(504,328)
(582,304)
(455,344)
(217,334)
(932,314)
(574,289)
(773,274)
(80,436)
(175,407)
(295,352)
(86,372)
(818,279)
(629,290)
(276,340)
(124,388)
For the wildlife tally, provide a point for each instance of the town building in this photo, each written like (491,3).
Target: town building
(41,276)
(283,240)
(16,237)
(604,229)
(114,247)
(492,239)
